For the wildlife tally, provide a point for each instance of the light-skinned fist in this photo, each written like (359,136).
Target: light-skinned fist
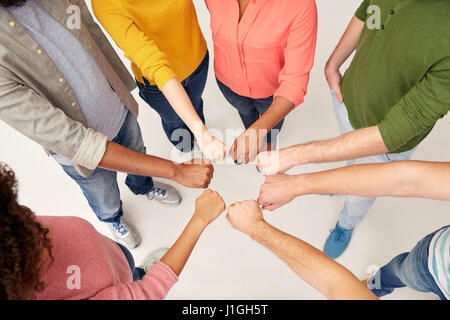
(245,216)
(209,206)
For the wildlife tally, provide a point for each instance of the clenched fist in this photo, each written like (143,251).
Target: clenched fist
(209,206)
(245,216)
(194,174)
(212,148)
(277,191)
(274,162)
(246,146)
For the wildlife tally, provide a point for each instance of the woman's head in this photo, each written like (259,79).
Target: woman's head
(23,242)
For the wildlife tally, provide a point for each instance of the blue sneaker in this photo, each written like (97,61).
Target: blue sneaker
(337,241)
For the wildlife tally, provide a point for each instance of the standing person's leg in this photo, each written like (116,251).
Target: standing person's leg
(355,208)
(262,105)
(407,269)
(103,195)
(138,273)
(130,136)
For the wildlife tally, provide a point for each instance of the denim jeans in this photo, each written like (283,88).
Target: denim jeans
(356,208)
(409,269)
(174,127)
(101,189)
(250,110)
(138,273)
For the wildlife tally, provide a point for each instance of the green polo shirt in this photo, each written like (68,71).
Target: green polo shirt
(399,78)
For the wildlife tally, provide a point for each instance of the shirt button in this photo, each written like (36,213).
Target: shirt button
(74,104)
(61,80)
(392,12)
(39,51)
(12,24)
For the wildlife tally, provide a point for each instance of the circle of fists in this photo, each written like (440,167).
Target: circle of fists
(245,216)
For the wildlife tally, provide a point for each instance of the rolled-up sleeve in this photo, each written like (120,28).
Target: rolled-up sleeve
(35,117)
(137,46)
(299,55)
(420,109)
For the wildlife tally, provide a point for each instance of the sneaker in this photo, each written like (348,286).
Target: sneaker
(337,241)
(164,194)
(149,260)
(125,234)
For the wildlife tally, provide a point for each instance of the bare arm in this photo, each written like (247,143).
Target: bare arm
(344,49)
(181,103)
(356,144)
(208,207)
(119,158)
(327,276)
(398,179)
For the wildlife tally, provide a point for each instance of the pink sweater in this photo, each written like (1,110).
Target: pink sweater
(86,259)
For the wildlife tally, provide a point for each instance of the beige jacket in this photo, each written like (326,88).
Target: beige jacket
(36,100)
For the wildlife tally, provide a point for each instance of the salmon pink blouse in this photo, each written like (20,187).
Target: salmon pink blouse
(270,51)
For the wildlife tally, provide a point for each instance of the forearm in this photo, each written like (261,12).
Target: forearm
(179,253)
(353,145)
(347,44)
(279,109)
(330,278)
(119,158)
(398,179)
(181,103)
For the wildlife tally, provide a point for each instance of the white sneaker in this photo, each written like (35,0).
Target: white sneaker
(125,234)
(164,194)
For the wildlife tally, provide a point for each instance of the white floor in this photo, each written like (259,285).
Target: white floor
(226,264)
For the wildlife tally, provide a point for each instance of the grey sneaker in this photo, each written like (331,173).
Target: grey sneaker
(164,194)
(125,234)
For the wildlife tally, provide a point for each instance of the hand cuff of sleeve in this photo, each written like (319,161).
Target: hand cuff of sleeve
(162,75)
(91,151)
(292,93)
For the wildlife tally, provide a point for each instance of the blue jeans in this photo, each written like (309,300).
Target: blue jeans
(174,127)
(409,269)
(101,189)
(138,273)
(250,110)
(356,208)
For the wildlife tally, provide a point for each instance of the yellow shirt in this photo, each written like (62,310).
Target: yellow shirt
(161,38)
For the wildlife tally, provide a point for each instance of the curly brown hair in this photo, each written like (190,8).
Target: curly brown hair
(23,241)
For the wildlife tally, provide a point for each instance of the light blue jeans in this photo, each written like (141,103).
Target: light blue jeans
(101,189)
(407,269)
(356,208)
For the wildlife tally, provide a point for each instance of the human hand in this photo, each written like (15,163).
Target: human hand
(245,216)
(279,161)
(334,79)
(246,146)
(277,191)
(209,206)
(212,148)
(194,174)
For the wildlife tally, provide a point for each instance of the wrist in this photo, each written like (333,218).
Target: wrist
(202,134)
(174,171)
(303,185)
(332,64)
(199,222)
(258,230)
